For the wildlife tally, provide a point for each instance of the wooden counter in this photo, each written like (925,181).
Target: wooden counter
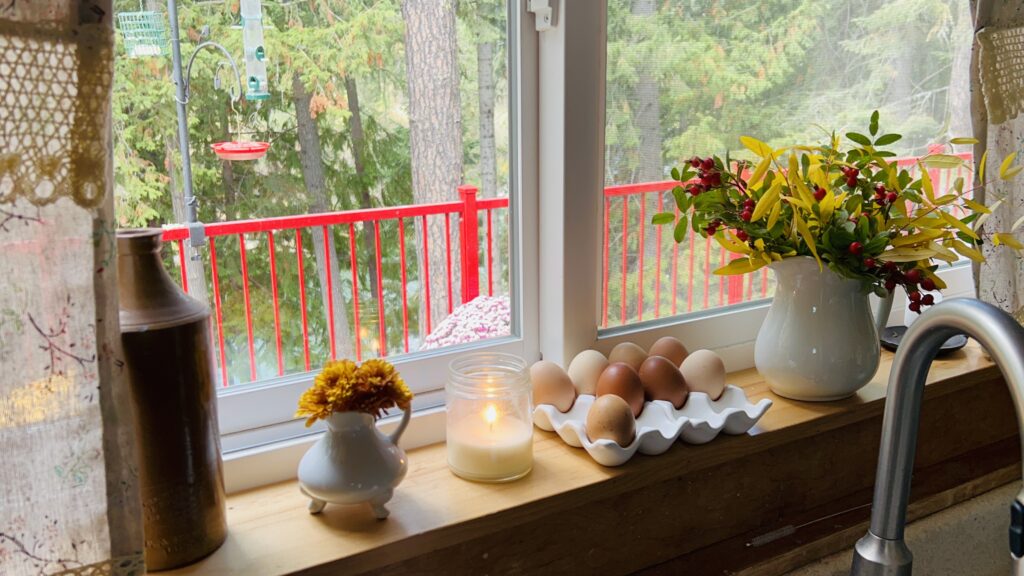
(793,490)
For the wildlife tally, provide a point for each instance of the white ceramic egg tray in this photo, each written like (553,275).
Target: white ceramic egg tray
(660,424)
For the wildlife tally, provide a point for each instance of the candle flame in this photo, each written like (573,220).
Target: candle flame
(491,414)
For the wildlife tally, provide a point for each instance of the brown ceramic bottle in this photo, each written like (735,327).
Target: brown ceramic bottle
(168,359)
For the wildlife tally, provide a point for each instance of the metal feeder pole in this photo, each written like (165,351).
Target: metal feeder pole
(197,237)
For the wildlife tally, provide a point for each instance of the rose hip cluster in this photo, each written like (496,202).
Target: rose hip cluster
(913,281)
(883,196)
(709,177)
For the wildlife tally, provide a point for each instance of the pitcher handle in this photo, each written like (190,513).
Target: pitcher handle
(881,313)
(397,434)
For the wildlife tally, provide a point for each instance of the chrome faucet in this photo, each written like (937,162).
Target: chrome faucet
(882,551)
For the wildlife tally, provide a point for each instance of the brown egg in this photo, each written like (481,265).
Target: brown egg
(662,380)
(704,371)
(671,348)
(611,418)
(628,353)
(585,369)
(621,380)
(551,385)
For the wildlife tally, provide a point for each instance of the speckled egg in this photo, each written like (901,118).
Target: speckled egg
(628,353)
(704,372)
(585,369)
(611,418)
(662,380)
(551,385)
(621,380)
(671,348)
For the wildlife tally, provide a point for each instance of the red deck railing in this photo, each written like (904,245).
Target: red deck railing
(643,263)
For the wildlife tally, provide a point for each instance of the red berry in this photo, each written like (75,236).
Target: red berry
(928,300)
(746,215)
(695,162)
(890,284)
(880,188)
(928,284)
(707,163)
(914,296)
(889,266)
(819,193)
(913,276)
(749,203)
(696,189)
(869,262)
(866,214)
(742,235)
(851,181)
(914,306)
(891,197)
(856,248)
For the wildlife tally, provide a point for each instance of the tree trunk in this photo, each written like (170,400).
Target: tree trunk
(959,100)
(355,126)
(227,168)
(195,270)
(435,134)
(311,158)
(485,96)
(647,107)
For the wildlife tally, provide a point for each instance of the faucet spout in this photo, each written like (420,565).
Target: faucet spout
(882,550)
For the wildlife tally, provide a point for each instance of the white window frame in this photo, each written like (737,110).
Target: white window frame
(260,449)
(571,202)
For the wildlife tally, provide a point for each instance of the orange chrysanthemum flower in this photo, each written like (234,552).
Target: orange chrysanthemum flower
(343,386)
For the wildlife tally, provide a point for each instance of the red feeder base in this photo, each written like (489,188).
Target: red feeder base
(240,150)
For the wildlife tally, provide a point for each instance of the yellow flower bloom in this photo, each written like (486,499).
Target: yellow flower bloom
(343,386)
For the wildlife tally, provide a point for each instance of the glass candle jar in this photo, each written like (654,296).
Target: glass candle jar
(489,429)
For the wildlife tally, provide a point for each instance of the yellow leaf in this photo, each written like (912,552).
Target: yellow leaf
(740,266)
(977,206)
(795,179)
(768,201)
(773,216)
(827,205)
(981,167)
(942,161)
(756,146)
(963,140)
(904,255)
(967,251)
(1008,239)
(984,217)
(798,202)
(945,199)
(759,172)
(805,232)
(1012,172)
(926,182)
(1004,168)
(954,222)
(731,243)
(943,253)
(938,281)
(922,236)
(1017,224)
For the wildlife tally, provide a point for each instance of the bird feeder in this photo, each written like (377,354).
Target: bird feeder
(239,151)
(255,53)
(143,33)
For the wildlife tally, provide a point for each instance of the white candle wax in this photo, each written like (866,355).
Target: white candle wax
(490,446)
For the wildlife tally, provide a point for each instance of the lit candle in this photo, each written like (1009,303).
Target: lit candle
(490,446)
(490,435)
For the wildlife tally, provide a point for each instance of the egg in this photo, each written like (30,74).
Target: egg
(662,380)
(585,369)
(611,418)
(704,372)
(621,380)
(628,353)
(551,385)
(671,348)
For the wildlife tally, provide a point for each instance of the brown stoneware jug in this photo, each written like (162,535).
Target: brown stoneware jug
(168,359)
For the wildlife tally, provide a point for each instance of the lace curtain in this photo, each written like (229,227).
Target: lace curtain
(997,110)
(69,502)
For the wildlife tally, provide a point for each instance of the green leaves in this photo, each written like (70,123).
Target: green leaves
(888,139)
(873,127)
(662,218)
(859,138)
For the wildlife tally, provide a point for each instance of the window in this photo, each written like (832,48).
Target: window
(387,217)
(688,78)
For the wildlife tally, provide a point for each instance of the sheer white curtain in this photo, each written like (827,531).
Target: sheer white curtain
(68,497)
(997,85)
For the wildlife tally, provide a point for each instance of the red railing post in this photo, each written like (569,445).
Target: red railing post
(469,245)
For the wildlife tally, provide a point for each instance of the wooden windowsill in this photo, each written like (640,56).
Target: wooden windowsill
(270,531)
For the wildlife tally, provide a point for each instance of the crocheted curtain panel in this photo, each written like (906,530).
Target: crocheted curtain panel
(69,502)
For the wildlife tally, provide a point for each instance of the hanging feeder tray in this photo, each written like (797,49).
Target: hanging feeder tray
(143,33)
(240,150)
